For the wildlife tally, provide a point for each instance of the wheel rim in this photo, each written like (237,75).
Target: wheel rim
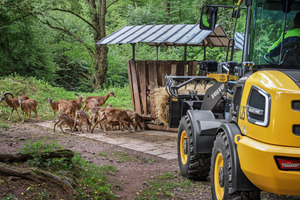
(183,147)
(219,176)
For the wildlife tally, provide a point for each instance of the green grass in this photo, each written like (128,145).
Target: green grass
(41,90)
(102,154)
(92,180)
(4,125)
(163,187)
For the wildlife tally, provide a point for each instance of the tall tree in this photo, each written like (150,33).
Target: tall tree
(46,11)
(97,12)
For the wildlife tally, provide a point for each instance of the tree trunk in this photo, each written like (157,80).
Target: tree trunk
(100,57)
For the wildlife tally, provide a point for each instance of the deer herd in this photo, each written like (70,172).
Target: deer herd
(71,115)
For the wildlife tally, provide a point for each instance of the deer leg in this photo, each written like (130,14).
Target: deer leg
(125,124)
(17,112)
(55,125)
(80,126)
(35,114)
(94,126)
(74,125)
(61,128)
(11,114)
(24,115)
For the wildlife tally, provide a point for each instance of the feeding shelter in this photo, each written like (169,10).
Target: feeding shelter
(145,75)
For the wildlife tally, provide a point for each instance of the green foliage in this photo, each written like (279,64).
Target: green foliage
(31,48)
(164,185)
(102,154)
(4,125)
(38,149)
(41,90)
(94,183)
(124,157)
(92,179)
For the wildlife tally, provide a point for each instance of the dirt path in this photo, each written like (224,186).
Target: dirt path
(148,153)
(138,156)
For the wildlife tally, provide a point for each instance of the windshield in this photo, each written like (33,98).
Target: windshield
(268,24)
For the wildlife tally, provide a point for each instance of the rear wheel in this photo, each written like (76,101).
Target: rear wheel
(192,165)
(221,172)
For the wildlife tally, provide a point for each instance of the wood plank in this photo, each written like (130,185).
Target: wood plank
(160,128)
(160,71)
(173,69)
(180,69)
(135,85)
(130,82)
(168,67)
(152,71)
(190,68)
(195,66)
(141,65)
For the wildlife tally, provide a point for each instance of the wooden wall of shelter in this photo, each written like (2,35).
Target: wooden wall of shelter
(145,75)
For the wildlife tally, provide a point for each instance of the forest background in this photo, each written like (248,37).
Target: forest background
(54,40)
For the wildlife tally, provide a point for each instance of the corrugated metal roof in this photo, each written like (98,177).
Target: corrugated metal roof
(170,35)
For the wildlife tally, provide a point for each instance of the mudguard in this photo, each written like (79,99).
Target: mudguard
(239,181)
(204,128)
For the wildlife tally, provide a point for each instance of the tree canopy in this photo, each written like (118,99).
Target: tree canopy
(55,40)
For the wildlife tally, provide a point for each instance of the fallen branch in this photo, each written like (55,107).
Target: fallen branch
(19,157)
(38,175)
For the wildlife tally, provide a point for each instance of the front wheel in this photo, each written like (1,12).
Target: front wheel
(221,172)
(192,165)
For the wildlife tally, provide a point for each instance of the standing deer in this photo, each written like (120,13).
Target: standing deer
(54,105)
(13,102)
(101,99)
(77,103)
(28,105)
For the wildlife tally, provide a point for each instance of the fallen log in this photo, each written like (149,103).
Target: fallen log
(36,175)
(19,157)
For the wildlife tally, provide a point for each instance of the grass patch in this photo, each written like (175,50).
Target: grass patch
(164,186)
(41,90)
(124,157)
(4,125)
(92,180)
(102,154)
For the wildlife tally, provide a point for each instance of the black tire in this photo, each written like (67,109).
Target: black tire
(221,183)
(192,165)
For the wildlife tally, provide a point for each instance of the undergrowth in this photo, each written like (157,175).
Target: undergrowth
(92,180)
(164,186)
(41,90)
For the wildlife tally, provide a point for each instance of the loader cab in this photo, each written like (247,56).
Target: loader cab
(268,23)
(274,21)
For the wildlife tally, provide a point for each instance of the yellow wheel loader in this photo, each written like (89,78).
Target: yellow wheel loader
(246,137)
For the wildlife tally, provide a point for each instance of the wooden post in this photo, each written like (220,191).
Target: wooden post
(185,47)
(133,51)
(156,52)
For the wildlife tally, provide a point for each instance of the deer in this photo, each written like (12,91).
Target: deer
(28,105)
(94,105)
(135,117)
(64,119)
(13,102)
(101,99)
(67,108)
(80,118)
(107,115)
(54,105)
(77,103)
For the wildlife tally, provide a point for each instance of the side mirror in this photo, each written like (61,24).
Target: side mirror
(208,17)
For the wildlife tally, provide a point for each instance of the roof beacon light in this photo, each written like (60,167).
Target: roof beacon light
(288,163)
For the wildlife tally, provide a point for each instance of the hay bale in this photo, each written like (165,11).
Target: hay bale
(162,103)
